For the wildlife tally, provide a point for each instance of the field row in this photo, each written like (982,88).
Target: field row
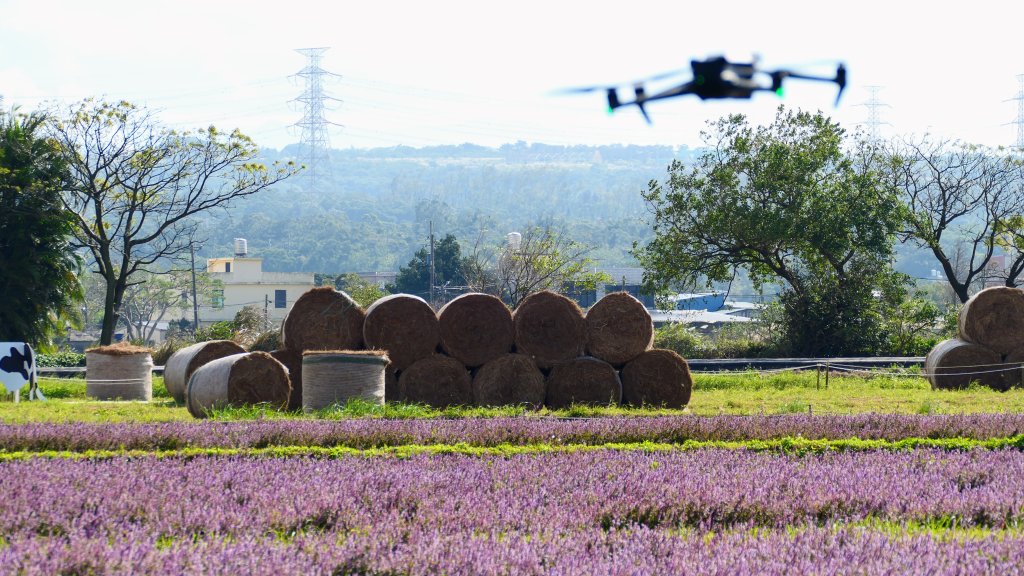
(712,511)
(366,433)
(544,493)
(394,551)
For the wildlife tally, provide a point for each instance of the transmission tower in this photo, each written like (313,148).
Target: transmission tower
(314,138)
(1020,114)
(874,105)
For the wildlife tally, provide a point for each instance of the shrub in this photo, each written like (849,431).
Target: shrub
(746,340)
(267,341)
(218,331)
(169,347)
(60,359)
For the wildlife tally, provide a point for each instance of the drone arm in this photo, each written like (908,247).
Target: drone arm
(671,92)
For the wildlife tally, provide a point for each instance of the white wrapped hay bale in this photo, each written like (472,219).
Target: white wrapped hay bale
(183,363)
(335,377)
(119,372)
(238,380)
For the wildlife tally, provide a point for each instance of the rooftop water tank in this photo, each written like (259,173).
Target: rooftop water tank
(241,248)
(515,240)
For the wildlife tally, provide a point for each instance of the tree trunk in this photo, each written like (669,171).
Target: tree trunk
(111,308)
(961,289)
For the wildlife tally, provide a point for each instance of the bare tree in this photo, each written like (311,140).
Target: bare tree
(477,267)
(544,259)
(136,185)
(961,202)
(149,298)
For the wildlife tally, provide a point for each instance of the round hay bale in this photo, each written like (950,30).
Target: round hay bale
(237,380)
(550,328)
(437,380)
(337,376)
(292,360)
(184,362)
(512,379)
(657,377)
(953,364)
(404,326)
(619,329)
(475,328)
(584,380)
(391,392)
(323,319)
(119,372)
(994,318)
(1015,362)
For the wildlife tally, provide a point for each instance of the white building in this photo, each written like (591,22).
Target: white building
(240,281)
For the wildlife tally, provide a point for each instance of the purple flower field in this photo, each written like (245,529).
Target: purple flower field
(370,433)
(428,552)
(604,512)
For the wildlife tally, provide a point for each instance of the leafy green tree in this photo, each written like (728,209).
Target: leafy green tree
(136,187)
(38,269)
(414,277)
(363,292)
(789,204)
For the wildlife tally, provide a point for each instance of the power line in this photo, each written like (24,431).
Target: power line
(1019,98)
(313,125)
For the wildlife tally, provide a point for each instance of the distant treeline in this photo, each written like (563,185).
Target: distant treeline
(372,208)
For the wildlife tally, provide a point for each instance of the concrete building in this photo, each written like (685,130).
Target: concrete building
(240,281)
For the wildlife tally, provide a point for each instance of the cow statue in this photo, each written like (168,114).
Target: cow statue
(17,368)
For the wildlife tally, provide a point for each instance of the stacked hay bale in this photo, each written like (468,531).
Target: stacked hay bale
(403,325)
(323,319)
(510,380)
(549,328)
(619,329)
(183,363)
(657,378)
(475,328)
(119,372)
(990,345)
(583,380)
(238,380)
(474,350)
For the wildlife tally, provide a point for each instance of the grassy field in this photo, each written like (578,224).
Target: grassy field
(738,393)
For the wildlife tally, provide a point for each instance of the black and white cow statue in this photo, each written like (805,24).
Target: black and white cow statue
(17,368)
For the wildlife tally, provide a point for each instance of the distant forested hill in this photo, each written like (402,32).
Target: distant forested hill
(372,210)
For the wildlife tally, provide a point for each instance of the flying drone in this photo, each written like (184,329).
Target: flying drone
(714,78)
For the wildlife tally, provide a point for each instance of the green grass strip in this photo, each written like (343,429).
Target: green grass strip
(792,446)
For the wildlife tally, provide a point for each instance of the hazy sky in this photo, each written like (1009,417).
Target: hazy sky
(425,73)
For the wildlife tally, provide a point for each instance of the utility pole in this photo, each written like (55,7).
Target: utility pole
(313,126)
(195,301)
(266,311)
(432,303)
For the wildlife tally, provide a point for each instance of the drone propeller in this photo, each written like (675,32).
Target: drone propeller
(606,87)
